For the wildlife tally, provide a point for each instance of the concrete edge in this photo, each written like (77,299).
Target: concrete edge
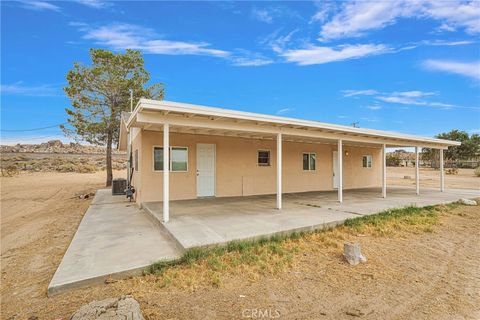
(153,217)
(59,288)
(315,227)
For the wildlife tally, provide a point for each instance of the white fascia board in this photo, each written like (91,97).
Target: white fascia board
(256,117)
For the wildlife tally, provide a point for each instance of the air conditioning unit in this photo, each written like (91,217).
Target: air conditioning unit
(118,186)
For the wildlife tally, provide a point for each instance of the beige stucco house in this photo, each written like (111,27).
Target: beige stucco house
(218,152)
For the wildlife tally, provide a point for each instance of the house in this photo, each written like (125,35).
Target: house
(217,152)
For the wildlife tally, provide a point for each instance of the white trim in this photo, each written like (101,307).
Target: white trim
(340,170)
(279,171)
(153,158)
(384,171)
(417,171)
(309,153)
(219,113)
(166,173)
(442,173)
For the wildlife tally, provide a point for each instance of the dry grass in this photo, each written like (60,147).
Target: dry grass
(271,256)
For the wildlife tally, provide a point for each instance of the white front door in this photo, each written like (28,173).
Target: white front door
(205,170)
(336,180)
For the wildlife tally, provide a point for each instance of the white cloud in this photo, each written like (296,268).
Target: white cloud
(269,14)
(352,93)
(20,89)
(467,69)
(355,18)
(262,15)
(277,42)
(374,107)
(319,55)
(96,4)
(284,110)
(250,61)
(127,36)
(40,6)
(414,97)
(447,43)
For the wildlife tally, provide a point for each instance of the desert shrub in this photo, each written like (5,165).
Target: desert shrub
(477,172)
(66,167)
(9,171)
(452,171)
(86,168)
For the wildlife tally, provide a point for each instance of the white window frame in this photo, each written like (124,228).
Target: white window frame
(170,158)
(269,158)
(309,153)
(371,161)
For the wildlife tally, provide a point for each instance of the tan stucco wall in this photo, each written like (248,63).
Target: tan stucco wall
(237,172)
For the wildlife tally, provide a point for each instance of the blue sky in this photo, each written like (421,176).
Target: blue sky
(404,66)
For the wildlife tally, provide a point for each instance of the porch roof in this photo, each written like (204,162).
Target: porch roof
(196,119)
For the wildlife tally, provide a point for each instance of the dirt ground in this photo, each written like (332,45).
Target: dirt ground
(427,275)
(430,178)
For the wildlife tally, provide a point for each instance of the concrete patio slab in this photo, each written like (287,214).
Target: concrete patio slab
(213,221)
(115,238)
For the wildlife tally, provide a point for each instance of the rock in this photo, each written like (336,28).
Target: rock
(354,313)
(468,202)
(353,254)
(125,307)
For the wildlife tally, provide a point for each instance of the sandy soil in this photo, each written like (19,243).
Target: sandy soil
(412,276)
(430,178)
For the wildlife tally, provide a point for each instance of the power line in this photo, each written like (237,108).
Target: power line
(34,129)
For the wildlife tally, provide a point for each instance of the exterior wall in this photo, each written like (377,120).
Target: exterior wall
(137,177)
(237,172)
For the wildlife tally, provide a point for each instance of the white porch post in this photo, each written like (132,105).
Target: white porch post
(384,171)
(166,172)
(442,182)
(417,171)
(279,171)
(340,170)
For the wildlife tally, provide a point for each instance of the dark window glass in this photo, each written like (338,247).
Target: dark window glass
(263,158)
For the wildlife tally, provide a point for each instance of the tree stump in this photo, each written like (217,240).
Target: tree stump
(353,254)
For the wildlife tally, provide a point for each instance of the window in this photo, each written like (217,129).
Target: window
(367,161)
(263,158)
(178,159)
(136,160)
(309,161)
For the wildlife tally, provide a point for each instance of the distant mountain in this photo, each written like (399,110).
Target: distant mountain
(55,146)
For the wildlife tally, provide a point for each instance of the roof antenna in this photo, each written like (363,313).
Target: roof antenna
(131,100)
(355,124)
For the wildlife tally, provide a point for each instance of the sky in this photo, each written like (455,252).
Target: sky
(405,66)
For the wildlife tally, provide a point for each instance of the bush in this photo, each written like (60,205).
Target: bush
(9,171)
(452,171)
(477,172)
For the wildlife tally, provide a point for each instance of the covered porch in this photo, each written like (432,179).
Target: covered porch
(213,221)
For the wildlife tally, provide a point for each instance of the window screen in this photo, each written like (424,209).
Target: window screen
(309,161)
(367,161)
(263,158)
